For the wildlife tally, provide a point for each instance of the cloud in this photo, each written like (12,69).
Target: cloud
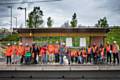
(88,11)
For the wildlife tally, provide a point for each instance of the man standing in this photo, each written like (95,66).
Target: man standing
(14,53)
(8,53)
(62,52)
(115,50)
(56,52)
(35,51)
(21,51)
(108,51)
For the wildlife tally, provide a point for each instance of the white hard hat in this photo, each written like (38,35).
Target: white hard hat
(63,43)
(26,44)
(8,44)
(15,43)
(114,42)
(57,42)
(20,44)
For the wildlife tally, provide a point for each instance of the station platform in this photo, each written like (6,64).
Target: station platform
(59,72)
(57,67)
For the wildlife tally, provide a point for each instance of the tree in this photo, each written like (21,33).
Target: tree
(74,20)
(49,22)
(102,23)
(35,18)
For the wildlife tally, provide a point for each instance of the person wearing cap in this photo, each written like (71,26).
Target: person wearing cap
(8,53)
(14,53)
(108,51)
(115,50)
(21,51)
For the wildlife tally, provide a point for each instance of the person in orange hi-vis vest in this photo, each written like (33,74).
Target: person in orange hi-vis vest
(72,55)
(8,53)
(21,51)
(84,54)
(51,51)
(56,46)
(108,51)
(89,54)
(76,56)
(94,53)
(14,53)
(80,57)
(115,50)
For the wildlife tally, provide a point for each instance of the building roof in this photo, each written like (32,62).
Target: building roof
(61,30)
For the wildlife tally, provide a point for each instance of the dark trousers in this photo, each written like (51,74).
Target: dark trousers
(115,56)
(89,58)
(22,59)
(108,57)
(27,59)
(72,59)
(61,58)
(94,58)
(8,59)
(84,60)
(35,59)
(76,59)
(56,57)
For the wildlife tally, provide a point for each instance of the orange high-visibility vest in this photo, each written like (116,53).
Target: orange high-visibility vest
(72,53)
(89,50)
(56,49)
(79,53)
(114,49)
(84,53)
(21,50)
(108,48)
(75,53)
(94,49)
(102,52)
(51,49)
(8,51)
(15,50)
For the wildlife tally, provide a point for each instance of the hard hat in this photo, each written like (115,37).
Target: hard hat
(26,44)
(114,42)
(57,42)
(15,43)
(20,44)
(108,42)
(8,44)
(63,43)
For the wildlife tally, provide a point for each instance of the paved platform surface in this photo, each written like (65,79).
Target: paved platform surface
(57,67)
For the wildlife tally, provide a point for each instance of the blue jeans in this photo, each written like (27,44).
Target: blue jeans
(80,59)
(61,58)
(44,58)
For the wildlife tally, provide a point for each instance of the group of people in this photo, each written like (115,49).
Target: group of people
(59,53)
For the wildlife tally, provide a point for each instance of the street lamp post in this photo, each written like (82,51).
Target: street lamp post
(25,13)
(16,21)
(11,15)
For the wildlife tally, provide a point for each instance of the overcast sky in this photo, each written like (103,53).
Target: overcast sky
(88,11)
